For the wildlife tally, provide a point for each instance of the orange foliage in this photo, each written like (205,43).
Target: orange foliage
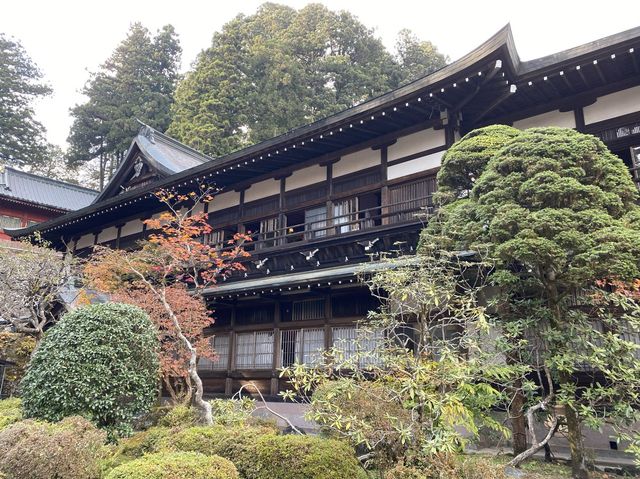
(167,275)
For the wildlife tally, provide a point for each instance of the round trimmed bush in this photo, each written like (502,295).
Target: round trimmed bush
(176,465)
(99,362)
(259,453)
(70,449)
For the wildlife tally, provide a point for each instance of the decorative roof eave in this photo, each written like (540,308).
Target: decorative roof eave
(33,204)
(499,47)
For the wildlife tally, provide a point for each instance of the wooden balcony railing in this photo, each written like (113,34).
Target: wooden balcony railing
(361,220)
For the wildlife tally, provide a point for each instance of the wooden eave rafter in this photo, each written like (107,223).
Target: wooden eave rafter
(366,117)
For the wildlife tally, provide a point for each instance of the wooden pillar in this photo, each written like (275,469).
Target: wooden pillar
(578,114)
(119,235)
(275,383)
(384,193)
(231,363)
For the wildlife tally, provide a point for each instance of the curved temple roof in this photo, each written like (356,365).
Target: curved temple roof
(485,86)
(26,187)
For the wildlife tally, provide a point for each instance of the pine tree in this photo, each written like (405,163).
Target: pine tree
(136,83)
(22,140)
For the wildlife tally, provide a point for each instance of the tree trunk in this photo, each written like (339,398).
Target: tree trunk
(518,422)
(574,436)
(199,403)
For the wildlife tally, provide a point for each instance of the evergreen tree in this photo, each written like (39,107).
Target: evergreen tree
(558,212)
(136,83)
(280,68)
(22,139)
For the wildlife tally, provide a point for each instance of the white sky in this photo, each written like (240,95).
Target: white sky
(68,38)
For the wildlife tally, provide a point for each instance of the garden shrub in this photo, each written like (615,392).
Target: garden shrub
(177,465)
(10,412)
(99,362)
(370,408)
(179,416)
(297,457)
(259,453)
(70,449)
(232,412)
(237,444)
(142,442)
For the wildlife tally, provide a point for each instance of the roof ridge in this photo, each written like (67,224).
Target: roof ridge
(45,179)
(158,135)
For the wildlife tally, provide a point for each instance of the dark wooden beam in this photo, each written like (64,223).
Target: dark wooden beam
(632,53)
(494,104)
(497,66)
(582,77)
(599,71)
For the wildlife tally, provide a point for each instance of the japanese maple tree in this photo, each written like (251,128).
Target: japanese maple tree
(166,275)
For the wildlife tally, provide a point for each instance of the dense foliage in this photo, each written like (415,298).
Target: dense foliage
(99,362)
(259,453)
(22,141)
(69,449)
(406,392)
(10,412)
(280,68)
(178,465)
(173,258)
(135,83)
(556,210)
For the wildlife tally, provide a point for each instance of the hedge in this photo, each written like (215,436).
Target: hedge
(176,465)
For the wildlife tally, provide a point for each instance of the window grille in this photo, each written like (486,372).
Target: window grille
(345,212)
(254,350)
(352,342)
(220,344)
(215,239)
(407,200)
(308,309)
(268,233)
(304,346)
(10,222)
(315,220)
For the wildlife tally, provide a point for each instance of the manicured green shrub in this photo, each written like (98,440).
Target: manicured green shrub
(10,412)
(143,442)
(99,362)
(298,457)
(177,465)
(237,444)
(232,412)
(70,449)
(179,416)
(259,453)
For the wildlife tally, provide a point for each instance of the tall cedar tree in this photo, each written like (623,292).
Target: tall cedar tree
(22,141)
(559,213)
(136,83)
(280,68)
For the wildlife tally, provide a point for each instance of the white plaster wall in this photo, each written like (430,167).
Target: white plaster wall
(305,177)
(613,105)
(108,234)
(415,166)
(262,189)
(85,241)
(416,142)
(562,119)
(359,160)
(224,200)
(131,227)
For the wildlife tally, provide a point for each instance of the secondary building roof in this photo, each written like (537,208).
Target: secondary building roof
(19,186)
